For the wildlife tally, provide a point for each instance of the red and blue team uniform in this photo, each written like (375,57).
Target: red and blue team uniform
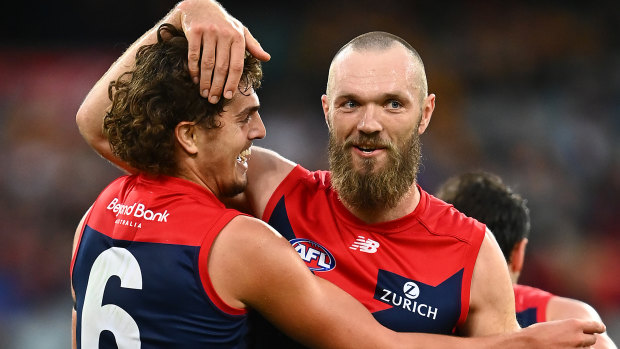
(140,268)
(413,273)
(531,304)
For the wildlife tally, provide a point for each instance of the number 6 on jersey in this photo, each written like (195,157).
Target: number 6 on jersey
(96,318)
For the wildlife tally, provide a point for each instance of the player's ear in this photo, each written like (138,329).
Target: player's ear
(325,105)
(428,106)
(517,256)
(185,134)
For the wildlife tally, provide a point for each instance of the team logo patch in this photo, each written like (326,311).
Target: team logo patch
(317,257)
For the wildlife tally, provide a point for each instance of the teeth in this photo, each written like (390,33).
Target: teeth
(243,156)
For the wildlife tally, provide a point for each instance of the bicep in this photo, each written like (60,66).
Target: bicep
(266,170)
(492,306)
(270,277)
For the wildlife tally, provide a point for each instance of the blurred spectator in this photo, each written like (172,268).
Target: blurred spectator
(528,90)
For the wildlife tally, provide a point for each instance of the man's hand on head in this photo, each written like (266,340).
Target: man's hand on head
(223,40)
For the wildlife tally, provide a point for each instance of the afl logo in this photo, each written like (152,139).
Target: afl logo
(411,290)
(317,257)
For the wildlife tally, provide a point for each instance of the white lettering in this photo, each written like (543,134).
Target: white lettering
(433,311)
(128,223)
(301,249)
(312,254)
(139,211)
(111,205)
(420,309)
(322,262)
(129,209)
(385,294)
(407,304)
(412,306)
(400,299)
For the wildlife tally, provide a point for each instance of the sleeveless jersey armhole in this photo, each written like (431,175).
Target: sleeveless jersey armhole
(203,257)
(468,272)
(86,220)
(284,187)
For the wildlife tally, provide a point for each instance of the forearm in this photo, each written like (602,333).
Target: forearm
(90,116)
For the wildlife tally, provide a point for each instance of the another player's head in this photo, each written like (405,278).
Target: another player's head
(376,106)
(486,198)
(159,123)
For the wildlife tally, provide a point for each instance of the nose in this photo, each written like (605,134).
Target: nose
(257,130)
(369,120)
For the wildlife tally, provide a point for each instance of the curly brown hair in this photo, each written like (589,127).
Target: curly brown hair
(150,101)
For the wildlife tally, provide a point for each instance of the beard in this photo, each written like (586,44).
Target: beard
(233,189)
(371,188)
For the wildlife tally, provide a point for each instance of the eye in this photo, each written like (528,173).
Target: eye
(393,104)
(246,119)
(350,104)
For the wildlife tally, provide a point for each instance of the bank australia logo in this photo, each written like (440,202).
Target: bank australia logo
(317,257)
(137,210)
(364,245)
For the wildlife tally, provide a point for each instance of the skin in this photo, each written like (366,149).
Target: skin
(216,150)
(559,308)
(225,39)
(377,92)
(265,172)
(276,282)
(374,99)
(204,23)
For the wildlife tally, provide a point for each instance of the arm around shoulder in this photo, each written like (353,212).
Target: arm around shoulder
(251,265)
(266,170)
(566,308)
(92,111)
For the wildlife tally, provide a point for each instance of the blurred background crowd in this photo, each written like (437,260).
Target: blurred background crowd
(529,90)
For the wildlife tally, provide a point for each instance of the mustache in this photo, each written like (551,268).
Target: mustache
(368,141)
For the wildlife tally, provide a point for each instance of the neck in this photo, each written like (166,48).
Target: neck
(191,174)
(371,215)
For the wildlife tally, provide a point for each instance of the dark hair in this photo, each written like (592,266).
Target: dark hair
(148,102)
(486,198)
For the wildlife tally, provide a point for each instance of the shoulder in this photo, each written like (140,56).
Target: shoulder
(560,308)
(266,171)
(245,233)
(442,218)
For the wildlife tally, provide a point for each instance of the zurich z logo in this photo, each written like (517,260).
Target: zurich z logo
(414,306)
(317,257)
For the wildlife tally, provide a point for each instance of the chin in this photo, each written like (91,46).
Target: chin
(235,188)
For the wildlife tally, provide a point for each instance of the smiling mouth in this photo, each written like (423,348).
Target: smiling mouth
(367,149)
(243,157)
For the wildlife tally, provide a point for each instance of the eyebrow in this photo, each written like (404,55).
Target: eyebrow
(382,97)
(248,110)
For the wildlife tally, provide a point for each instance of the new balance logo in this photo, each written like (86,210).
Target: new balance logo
(365,245)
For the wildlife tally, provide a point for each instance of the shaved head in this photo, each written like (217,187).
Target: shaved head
(379,41)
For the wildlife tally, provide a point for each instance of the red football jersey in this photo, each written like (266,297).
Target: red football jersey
(140,269)
(531,304)
(413,273)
